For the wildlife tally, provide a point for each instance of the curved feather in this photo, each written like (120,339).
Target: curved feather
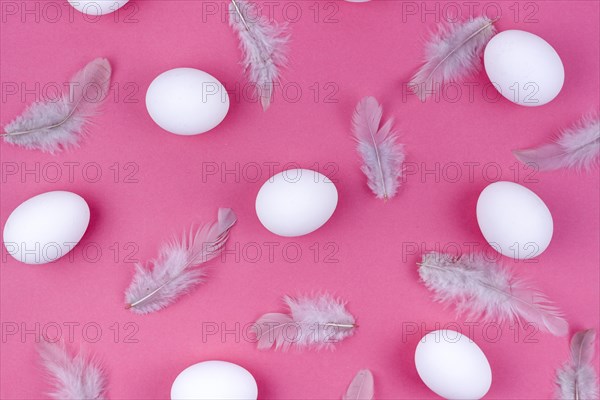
(179,267)
(320,322)
(362,387)
(577,379)
(483,289)
(52,126)
(453,53)
(263,45)
(577,147)
(73,377)
(379,149)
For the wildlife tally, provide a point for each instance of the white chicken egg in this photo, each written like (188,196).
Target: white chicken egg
(97,7)
(46,227)
(453,366)
(296,202)
(214,380)
(524,67)
(514,220)
(187,101)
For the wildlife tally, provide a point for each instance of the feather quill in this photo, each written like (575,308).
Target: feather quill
(320,322)
(577,147)
(378,147)
(577,379)
(453,53)
(484,289)
(179,267)
(264,48)
(73,377)
(52,126)
(362,387)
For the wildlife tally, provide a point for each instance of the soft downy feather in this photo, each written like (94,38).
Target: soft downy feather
(263,45)
(577,379)
(179,267)
(362,387)
(378,147)
(452,54)
(481,288)
(319,321)
(577,147)
(74,377)
(54,125)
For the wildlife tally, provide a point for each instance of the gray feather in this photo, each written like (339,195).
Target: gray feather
(481,288)
(577,379)
(179,267)
(263,45)
(52,126)
(378,147)
(73,377)
(453,53)
(313,321)
(577,147)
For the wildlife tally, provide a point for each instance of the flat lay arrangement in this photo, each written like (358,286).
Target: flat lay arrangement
(300,200)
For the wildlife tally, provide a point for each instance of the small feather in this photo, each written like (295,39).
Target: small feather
(452,54)
(320,322)
(484,289)
(179,267)
(52,126)
(379,149)
(263,45)
(577,379)
(362,387)
(73,377)
(577,147)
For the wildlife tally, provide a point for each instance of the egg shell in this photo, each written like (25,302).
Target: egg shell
(296,202)
(453,366)
(524,67)
(187,101)
(514,220)
(97,7)
(214,380)
(46,227)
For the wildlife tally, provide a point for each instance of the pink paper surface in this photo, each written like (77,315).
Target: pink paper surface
(144,185)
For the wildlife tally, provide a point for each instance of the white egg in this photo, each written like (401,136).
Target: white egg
(97,7)
(524,67)
(214,380)
(187,101)
(514,220)
(46,227)
(453,366)
(296,202)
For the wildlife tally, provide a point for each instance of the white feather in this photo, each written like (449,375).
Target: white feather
(378,147)
(577,147)
(179,267)
(362,387)
(52,126)
(263,45)
(577,379)
(452,54)
(73,377)
(484,289)
(320,321)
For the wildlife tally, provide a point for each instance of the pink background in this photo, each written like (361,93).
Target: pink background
(350,49)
